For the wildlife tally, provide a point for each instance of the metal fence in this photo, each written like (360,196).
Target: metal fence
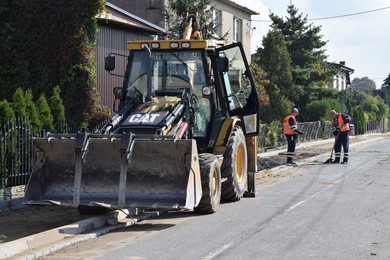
(271,135)
(16,152)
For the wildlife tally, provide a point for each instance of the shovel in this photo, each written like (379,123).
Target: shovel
(331,154)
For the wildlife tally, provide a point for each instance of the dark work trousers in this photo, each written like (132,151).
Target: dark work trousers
(342,140)
(291,141)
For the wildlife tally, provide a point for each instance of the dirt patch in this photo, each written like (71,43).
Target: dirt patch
(27,221)
(264,163)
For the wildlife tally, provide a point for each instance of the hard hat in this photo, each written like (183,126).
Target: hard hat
(294,110)
(332,112)
(196,34)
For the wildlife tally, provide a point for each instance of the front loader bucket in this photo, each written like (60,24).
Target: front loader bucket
(116,172)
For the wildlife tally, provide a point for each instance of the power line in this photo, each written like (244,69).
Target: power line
(334,17)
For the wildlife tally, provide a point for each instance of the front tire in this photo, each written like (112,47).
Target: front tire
(235,167)
(211,184)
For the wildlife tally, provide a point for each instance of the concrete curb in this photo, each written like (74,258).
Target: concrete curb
(44,243)
(11,204)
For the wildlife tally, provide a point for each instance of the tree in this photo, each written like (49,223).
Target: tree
(44,113)
(19,103)
(364,84)
(275,60)
(176,12)
(320,109)
(279,106)
(305,47)
(386,82)
(60,40)
(260,80)
(56,105)
(6,112)
(386,90)
(32,112)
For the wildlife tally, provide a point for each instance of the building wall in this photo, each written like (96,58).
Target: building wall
(339,81)
(111,39)
(152,11)
(228,15)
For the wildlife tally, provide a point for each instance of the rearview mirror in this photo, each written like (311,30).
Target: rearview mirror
(109,63)
(223,63)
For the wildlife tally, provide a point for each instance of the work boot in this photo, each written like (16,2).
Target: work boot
(336,161)
(291,163)
(344,162)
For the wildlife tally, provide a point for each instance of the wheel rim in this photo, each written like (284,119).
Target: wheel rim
(240,157)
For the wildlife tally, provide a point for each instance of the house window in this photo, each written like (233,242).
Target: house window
(217,22)
(237,29)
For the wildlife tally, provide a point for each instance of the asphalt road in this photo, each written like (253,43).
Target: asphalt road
(313,211)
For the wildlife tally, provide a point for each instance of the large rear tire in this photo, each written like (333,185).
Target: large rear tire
(211,184)
(235,167)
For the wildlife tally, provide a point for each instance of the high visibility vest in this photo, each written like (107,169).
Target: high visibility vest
(287,129)
(345,127)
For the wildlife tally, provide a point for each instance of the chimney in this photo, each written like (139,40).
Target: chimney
(342,63)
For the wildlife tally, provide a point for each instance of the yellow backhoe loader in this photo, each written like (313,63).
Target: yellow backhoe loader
(184,136)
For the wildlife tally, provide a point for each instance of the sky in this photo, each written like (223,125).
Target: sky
(361,40)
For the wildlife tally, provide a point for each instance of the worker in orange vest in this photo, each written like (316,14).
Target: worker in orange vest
(290,130)
(340,124)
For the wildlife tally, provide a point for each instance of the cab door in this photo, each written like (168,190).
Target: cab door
(240,92)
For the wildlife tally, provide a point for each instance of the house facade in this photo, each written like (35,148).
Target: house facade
(341,80)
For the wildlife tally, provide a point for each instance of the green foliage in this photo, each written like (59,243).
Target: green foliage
(176,12)
(386,83)
(360,122)
(374,108)
(319,109)
(32,113)
(40,47)
(56,105)
(259,78)
(364,84)
(19,103)
(278,107)
(44,112)
(274,129)
(79,97)
(6,112)
(275,60)
(305,46)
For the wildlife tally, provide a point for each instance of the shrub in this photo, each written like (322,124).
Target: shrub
(6,112)
(44,112)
